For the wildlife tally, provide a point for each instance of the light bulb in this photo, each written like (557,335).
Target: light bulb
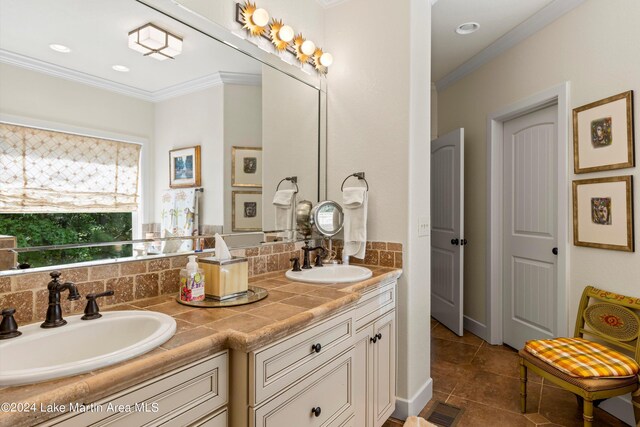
(308,47)
(260,17)
(326,59)
(286,33)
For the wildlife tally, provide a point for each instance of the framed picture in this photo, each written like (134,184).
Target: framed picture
(246,166)
(246,211)
(603,213)
(184,167)
(603,134)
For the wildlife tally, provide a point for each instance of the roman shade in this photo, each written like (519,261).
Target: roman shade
(48,171)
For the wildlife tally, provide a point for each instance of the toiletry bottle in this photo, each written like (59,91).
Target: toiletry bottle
(192,281)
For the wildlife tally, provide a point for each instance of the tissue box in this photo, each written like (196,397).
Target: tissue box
(225,279)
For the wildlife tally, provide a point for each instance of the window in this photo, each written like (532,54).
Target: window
(60,188)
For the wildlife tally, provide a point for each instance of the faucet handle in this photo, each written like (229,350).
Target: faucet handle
(319,256)
(296,264)
(55,274)
(92,311)
(8,326)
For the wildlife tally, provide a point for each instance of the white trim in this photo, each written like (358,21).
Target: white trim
(67,128)
(476,328)
(556,95)
(535,23)
(210,80)
(620,407)
(406,408)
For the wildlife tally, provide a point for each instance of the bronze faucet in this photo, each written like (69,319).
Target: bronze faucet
(54,312)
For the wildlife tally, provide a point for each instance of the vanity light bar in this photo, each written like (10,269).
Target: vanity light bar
(256,22)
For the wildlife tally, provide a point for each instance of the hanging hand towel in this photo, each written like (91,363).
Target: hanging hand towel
(354,202)
(283,202)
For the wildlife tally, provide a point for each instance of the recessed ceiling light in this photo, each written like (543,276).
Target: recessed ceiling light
(467,28)
(121,68)
(60,48)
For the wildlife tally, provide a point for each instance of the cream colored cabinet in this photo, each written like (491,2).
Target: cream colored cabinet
(339,372)
(192,395)
(375,371)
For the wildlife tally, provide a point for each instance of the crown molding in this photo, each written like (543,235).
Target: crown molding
(214,79)
(532,25)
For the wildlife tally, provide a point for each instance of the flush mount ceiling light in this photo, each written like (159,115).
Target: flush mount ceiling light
(467,28)
(254,20)
(121,68)
(60,48)
(155,42)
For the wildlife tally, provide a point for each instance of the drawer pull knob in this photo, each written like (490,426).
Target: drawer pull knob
(316,411)
(379,335)
(374,339)
(316,348)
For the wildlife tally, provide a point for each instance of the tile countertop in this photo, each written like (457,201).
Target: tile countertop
(290,306)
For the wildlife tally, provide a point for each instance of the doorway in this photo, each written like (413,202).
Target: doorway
(527,227)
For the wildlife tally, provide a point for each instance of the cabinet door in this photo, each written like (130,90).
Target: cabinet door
(363,378)
(384,368)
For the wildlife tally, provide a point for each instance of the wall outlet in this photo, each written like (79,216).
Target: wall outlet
(423,226)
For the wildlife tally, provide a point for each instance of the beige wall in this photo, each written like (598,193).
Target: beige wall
(290,138)
(378,122)
(188,120)
(595,47)
(242,128)
(40,96)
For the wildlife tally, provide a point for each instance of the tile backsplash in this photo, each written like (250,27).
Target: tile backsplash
(133,280)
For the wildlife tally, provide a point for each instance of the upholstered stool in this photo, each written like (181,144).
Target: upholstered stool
(418,422)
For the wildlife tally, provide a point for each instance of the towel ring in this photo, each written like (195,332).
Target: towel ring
(293,179)
(359,175)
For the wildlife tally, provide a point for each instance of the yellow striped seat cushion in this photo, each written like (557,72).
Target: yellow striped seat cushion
(582,358)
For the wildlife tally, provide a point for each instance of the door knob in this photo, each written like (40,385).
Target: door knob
(455,242)
(316,347)
(463,242)
(316,411)
(555,251)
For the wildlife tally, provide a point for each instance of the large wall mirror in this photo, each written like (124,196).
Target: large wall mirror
(97,140)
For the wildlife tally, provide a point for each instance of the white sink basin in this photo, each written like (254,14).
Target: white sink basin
(331,274)
(81,345)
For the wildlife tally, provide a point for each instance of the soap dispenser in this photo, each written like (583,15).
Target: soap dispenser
(192,281)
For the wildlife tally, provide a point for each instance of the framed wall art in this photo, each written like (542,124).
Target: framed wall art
(603,213)
(603,136)
(184,167)
(246,166)
(246,210)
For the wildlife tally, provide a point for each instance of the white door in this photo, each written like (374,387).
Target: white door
(447,229)
(530,227)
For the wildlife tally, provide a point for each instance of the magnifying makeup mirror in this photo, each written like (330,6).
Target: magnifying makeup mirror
(327,219)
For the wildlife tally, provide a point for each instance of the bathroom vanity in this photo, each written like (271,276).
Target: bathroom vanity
(332,364)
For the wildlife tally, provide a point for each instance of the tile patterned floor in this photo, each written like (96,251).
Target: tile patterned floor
(484,380)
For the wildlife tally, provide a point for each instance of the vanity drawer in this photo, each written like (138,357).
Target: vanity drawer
(276,367)
(177,398)
(330,388)
(217,420)
(375,303)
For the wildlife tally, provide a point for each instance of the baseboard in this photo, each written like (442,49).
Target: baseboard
(621,408)
(476,328)
(406,408)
